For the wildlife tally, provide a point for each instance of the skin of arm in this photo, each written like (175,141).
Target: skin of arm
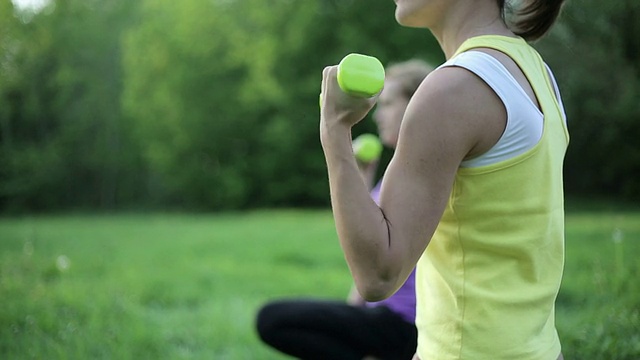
(368,172)
(452,116)
(354,297)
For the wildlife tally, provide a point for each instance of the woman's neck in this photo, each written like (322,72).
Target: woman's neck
(463,22)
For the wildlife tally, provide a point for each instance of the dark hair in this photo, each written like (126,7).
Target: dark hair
(532,18)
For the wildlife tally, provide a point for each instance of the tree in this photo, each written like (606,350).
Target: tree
(214,104)
(225,93)
(595,53)
(62,126)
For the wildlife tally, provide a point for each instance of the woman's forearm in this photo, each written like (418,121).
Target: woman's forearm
(362,228)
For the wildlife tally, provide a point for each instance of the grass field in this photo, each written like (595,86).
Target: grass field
(178,286)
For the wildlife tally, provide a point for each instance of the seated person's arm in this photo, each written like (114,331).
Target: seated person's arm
(354,297)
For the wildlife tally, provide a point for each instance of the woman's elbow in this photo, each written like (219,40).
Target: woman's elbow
(373,290)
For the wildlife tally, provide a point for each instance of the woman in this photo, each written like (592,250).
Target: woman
(473,195)
(356,329)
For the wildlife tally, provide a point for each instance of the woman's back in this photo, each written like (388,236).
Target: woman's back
(488,280)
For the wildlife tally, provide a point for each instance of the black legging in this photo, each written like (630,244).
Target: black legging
(333,330)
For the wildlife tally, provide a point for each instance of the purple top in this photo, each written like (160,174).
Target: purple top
(403,302)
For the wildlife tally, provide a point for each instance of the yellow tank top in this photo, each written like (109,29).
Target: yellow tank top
(487,282)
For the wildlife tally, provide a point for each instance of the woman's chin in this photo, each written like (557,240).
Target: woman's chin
(409,23)
(408,19)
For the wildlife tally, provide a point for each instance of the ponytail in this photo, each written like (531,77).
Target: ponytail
(533,18)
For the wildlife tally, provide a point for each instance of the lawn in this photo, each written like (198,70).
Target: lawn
(187,286)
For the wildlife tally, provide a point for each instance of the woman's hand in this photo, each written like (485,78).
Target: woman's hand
(339,109)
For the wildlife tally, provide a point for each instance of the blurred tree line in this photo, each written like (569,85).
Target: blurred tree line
(213,104)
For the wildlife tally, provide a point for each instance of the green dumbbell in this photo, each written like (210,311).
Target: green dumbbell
(367,148)
(360,75)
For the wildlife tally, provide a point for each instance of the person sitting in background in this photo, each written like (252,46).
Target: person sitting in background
(355,329)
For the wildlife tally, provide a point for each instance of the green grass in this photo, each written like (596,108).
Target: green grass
(177,286)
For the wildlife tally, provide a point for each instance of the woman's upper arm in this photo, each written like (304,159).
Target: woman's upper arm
(452,115)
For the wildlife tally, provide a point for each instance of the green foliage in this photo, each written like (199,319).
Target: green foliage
(224,95)
(212,105)
(595,53)
(64,140)
(169,286)
(198,98)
